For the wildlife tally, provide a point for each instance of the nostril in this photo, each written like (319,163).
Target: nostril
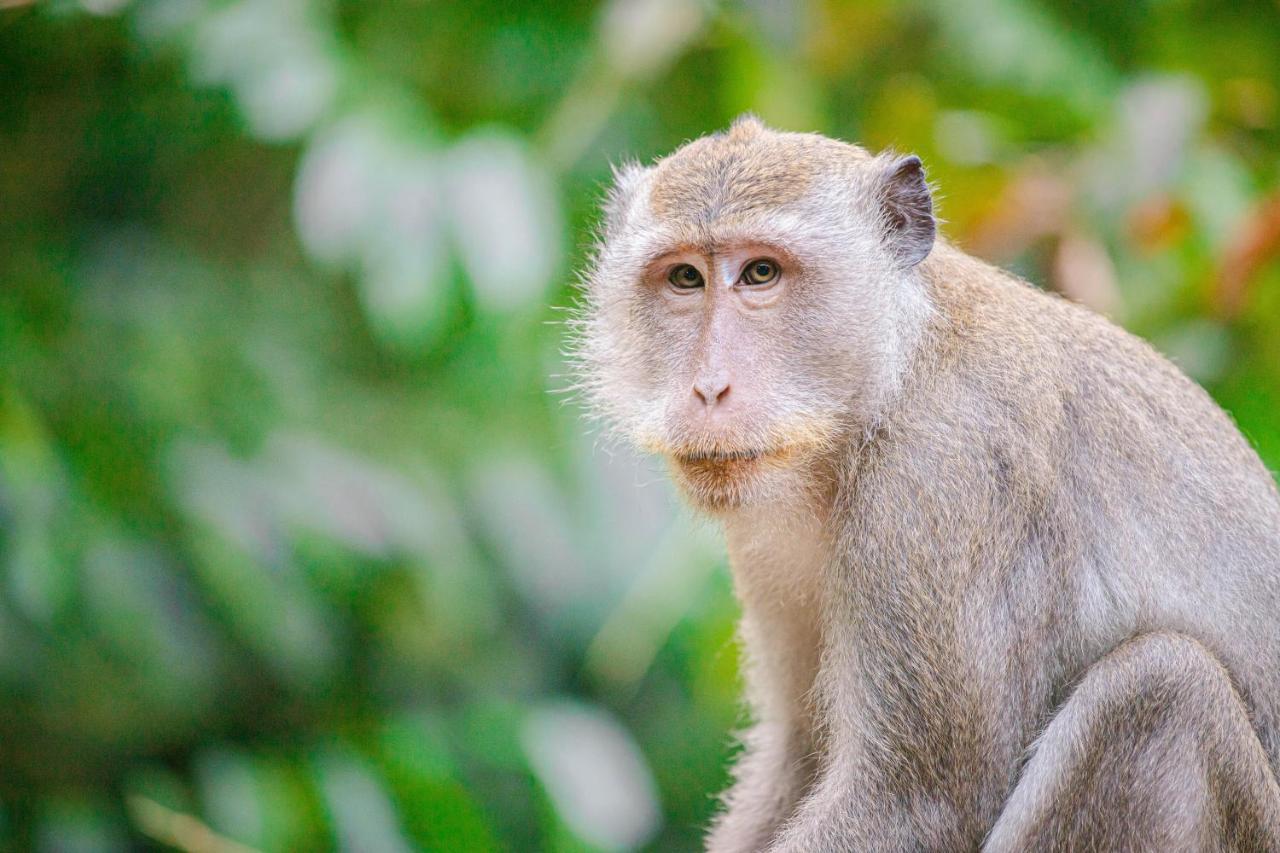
(711,391)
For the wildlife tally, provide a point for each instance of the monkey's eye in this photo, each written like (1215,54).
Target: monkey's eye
(685,277)
(760,272)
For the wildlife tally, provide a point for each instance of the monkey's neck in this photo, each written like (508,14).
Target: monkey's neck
(778,553)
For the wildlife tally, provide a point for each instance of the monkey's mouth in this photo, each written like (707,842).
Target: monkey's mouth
(717,479)
(720,456)
(727,462)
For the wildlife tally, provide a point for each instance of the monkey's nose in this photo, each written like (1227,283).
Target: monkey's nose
(711,389)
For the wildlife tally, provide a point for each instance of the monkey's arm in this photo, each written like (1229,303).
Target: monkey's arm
(780,654)
(907,757)
(768,782)
(926,699)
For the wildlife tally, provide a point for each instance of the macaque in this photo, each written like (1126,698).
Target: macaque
(1009,580)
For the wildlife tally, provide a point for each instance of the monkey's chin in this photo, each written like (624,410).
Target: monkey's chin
(721,481)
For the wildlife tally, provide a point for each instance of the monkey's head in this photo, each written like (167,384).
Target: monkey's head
(753,301)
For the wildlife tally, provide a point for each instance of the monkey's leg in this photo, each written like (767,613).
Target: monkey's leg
(1153,751)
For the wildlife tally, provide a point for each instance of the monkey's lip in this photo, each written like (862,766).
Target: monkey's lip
(721,457)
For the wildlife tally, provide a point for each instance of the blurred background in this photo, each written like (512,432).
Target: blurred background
(299,550)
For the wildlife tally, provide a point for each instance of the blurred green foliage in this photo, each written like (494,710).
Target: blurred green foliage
(297,551)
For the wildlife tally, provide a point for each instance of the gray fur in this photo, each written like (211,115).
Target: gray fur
(1010,578)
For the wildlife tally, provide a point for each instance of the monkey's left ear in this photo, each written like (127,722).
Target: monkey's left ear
(908,209)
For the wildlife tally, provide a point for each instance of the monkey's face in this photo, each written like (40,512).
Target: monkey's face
(736,398)
(744,314)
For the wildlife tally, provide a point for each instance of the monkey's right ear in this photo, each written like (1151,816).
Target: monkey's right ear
(626,177)
(907,205)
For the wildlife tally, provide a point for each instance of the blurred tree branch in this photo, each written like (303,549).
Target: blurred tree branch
(178,829)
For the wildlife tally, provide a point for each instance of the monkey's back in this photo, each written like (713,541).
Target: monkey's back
(1100,469)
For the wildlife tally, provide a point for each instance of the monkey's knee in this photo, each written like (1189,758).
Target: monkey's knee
(1152,751)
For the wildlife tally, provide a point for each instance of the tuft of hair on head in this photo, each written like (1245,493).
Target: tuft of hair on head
(906,203)
(627,176)
(746,126)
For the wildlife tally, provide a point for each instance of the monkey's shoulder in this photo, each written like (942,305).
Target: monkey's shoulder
(1002,340)
(1018,388)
